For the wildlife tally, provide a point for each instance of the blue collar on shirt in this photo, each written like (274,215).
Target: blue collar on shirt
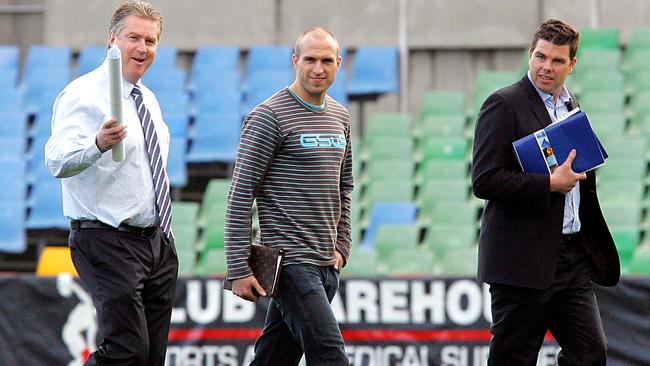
(547,98)
(315,107)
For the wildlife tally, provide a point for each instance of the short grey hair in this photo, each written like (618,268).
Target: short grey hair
(138,8)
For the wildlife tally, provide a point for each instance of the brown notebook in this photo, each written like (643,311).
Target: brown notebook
(266,264)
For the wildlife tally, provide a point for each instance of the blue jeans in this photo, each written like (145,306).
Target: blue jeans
(299,319)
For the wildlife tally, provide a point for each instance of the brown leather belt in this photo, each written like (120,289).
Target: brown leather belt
(87,224)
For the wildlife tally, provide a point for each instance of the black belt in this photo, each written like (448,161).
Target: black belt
(86,224)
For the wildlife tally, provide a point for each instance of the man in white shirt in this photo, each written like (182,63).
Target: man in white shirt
(120,238)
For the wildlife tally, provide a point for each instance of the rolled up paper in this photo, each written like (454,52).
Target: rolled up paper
(115,81)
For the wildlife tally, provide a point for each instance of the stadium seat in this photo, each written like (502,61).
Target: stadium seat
(46,207)
(598,60)
(218,100)
(392,125)
(166,59)
(9,57)
(592,101)
(396,169)
(90,58)
(445,102)
(627,240)
(165,80)
(443,148)
(268,58)
(178,123)
(392,238)
(216,83)
(363,262)
(638,82)
(338,90)
(13,124)
(409,262)
(55,260)
(440,238)
(386,148)
(213,61)
(433,169)
(12,231)
(215,195)
(8,79)
(374,71)
(262,84)
(598,80)
(211,262)
(216,138)
(176,162)
(438,190)
(450,213)
(639,107)
(457,262)
(451,125)
(607,38)
(639,39)
(607,124)
(383,213)
(641,261)
(48,57)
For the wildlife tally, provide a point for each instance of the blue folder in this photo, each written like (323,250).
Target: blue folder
(540,151)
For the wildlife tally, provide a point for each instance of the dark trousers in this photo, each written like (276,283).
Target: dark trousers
(132,281)
(300,319)
(568,308)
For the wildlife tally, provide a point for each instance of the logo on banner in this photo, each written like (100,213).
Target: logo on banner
(80,329)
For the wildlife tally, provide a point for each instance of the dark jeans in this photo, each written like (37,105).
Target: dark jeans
(299,319)
(568,308)
(132,281)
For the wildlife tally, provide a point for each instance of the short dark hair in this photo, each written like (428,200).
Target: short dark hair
(558,33)
(137,8)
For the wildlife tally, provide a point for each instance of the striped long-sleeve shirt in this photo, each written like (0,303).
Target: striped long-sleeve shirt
(296,162)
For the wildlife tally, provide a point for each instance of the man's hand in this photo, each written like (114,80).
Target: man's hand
(248,288)
(563,178)
(110,134)
(339,260)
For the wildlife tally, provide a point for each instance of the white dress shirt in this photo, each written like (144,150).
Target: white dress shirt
(558,110)
(94,186)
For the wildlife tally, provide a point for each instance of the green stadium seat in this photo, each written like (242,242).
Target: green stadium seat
(608,38)
(211,262)
(597,80)
(598,60)
(639,107)
(638,82)
(636,60)
(392,238)
(215,198)
(440,238)
(622,213)
(387,190)
(362,262)
(639,39)
(450,213)
(408,262)
(432,169)
(437,147)
(388,169)
(436,102)
(592,101)
(438,190)
(641,261)
(184,213)
(385,147)
(622,189)
(457,262)
(388,125)
(452,125)
(185,239)
(626,239)
(616,167)
(606,124)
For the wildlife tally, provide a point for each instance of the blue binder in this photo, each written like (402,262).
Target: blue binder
(541,151)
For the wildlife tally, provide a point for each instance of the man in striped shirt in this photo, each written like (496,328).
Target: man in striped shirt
(295,161)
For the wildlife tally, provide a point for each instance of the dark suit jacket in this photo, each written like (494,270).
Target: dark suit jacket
(522,223)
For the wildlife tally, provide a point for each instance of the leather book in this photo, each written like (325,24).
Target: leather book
(266,264)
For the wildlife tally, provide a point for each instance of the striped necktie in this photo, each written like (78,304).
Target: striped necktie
(158,172)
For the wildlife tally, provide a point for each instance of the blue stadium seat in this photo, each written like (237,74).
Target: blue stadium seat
(216,100)
(388,213)
(12,230)
(12,148)
(216,58)
(10,98)
(374,71)
(90,58)
(166,58)
(46,206)
(41,98)
(9,57)
(216,138)
(8,79)
(13,124)
(176,162)
(178,124)
(13,178)
(42,125)
(48,56)
(209,81)
(165,80)
(269,58)
(338,89)
(262,84)
(173,102)
(36,170)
